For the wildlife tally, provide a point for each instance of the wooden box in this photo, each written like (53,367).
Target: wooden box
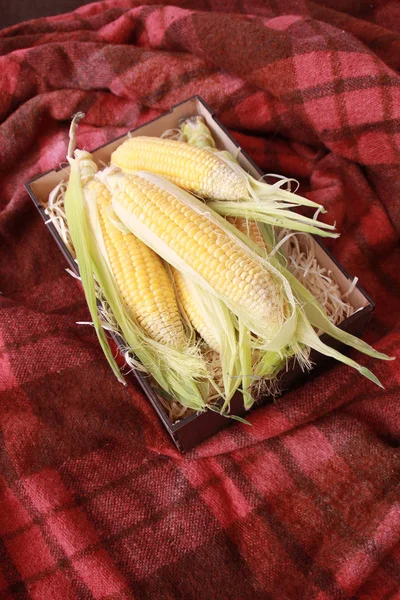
(190,431)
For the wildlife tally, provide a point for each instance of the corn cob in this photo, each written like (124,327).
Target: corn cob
(191,236)
(209,173)
(194,169)
(168,217)
(195,132)
(141,277)
(193,312)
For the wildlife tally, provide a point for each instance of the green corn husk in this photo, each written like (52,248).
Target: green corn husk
(79,232)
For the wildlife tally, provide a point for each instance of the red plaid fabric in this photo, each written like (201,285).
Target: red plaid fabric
(95,502)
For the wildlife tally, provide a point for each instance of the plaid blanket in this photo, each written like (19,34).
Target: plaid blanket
(95,502)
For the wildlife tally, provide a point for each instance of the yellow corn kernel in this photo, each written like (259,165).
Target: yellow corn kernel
(195,169)
(192,311)
(141,277)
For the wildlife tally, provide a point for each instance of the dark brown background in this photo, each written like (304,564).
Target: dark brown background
(16,12)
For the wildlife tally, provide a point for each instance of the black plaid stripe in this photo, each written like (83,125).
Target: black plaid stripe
(333,47)
(342,85)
